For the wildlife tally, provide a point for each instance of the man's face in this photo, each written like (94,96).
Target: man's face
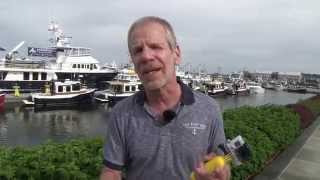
(153,59)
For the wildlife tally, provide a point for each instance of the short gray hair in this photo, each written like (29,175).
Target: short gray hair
(171,37)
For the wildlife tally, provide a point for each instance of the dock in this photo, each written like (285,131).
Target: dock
(10,98)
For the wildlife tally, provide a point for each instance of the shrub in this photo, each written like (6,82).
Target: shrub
(267,129)
(313,104)
(305,114)
(77,159)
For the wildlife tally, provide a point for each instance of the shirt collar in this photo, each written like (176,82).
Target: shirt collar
(187,97)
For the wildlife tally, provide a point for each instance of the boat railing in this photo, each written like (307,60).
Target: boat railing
(25,66)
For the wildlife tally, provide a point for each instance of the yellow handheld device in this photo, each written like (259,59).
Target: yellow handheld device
(237,152)
(215,163)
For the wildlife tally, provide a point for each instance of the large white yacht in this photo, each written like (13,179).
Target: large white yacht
(59,62)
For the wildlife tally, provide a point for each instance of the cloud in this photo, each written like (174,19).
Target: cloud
(279,35)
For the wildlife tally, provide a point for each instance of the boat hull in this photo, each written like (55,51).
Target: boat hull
(114,99)
(2,100)
(298,90)
(217,93)
(77,100)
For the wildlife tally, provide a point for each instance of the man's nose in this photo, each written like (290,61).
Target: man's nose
(147,54)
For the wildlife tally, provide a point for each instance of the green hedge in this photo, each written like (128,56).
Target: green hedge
(77,159)
(267,129)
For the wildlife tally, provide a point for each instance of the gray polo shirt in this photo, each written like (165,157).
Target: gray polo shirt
(147,149)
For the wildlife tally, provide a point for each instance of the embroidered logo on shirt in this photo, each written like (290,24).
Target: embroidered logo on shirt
(195,127)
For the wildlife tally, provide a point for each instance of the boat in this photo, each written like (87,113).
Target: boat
(296,89)
(126,83)
(57,63)
(67,93)
(122,89)
(273,85)
(214,88)
(255,87)
(238,88)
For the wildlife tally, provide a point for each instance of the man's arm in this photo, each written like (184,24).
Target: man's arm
(110,174)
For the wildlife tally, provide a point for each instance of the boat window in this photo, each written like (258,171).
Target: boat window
(82,66)
(127,88)
(25,75)
(43,76)
(117,88)
(3,75)
(68,88)
(95,66)
(74,66)
(35,76)
(87,66)
(90,66)
(133,88)
(76,87)
(140,87)
(75,52)
(78,65)
(60,88)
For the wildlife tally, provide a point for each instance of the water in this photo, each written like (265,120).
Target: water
(23,126)
(269,97)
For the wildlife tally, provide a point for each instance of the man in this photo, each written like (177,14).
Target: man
(164,131)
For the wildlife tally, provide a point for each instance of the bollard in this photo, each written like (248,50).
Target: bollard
(47,89)
(16,91)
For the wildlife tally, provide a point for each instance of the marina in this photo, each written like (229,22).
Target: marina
(25,126)
(64,66)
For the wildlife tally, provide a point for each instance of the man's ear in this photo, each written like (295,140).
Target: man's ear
(129,57)
(177,52)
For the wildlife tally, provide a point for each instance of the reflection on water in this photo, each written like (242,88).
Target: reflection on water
(25,126)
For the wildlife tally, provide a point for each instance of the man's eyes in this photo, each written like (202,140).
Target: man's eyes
(138,50)
(155,46)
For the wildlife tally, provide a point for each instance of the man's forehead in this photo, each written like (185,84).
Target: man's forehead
(149,35)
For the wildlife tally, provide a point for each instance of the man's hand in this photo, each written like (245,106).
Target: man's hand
(201,172)
(110,174)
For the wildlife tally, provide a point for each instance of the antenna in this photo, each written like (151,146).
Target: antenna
(16,48)
(9,56)
(59,39)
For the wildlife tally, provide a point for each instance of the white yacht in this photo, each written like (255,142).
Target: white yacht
(238,88)
(125,84)
(59,62)
(255,87)
(214,88)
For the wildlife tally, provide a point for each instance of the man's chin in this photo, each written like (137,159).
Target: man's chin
(153,85)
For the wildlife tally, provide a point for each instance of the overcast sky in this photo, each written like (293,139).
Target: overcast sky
(226,35)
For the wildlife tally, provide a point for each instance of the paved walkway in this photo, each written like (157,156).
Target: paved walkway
(306,164)
(301,160)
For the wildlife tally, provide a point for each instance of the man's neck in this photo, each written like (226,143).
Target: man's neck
(164,98)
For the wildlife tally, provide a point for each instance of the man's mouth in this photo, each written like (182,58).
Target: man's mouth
(151,71)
